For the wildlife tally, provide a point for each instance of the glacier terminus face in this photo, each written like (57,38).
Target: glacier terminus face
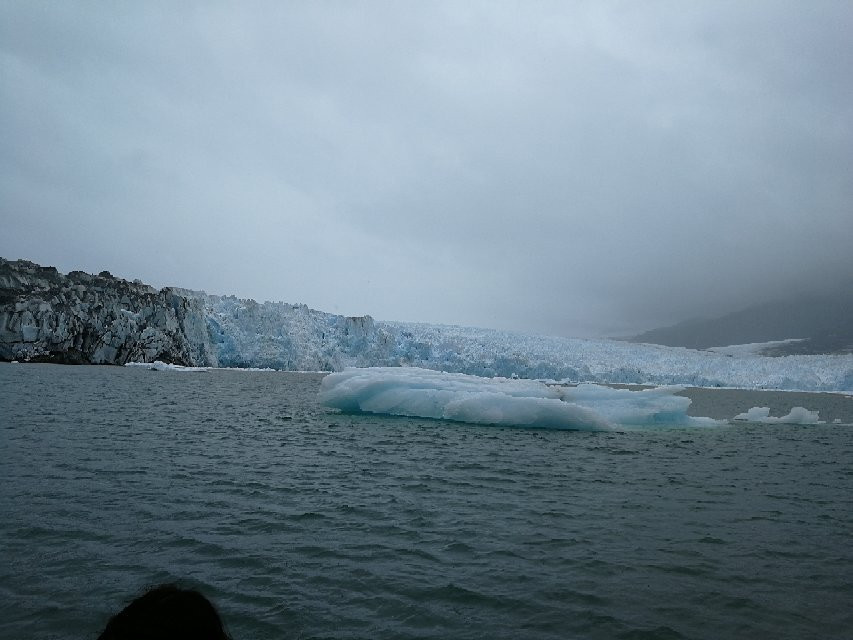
(294,337)
(78,318)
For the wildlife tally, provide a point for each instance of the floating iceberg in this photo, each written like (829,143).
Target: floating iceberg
(424,393)
(159,365)
(798,415)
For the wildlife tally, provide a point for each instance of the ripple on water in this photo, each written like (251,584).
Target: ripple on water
(303,523)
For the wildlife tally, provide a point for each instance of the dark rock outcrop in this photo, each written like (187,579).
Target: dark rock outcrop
(82,318)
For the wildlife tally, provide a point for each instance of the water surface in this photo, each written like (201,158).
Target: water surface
(302,523)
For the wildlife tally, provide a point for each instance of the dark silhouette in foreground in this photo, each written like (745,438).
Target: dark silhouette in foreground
(166,612)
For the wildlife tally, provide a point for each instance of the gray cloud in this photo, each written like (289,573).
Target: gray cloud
(583,169)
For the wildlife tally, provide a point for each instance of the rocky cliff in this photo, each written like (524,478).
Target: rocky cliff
(81,318)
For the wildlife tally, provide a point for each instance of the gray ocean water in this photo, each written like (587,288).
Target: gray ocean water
(302,523)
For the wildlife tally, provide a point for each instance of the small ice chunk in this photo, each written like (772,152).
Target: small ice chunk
(159,365)
(797,415)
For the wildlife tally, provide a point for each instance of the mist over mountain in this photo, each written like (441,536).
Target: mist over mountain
(823,323)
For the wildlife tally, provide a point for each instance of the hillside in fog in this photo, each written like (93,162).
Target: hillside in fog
(822,322)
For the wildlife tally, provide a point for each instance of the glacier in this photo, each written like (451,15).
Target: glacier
(294,337)
(79,318)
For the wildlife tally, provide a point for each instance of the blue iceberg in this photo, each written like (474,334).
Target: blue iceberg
(424,393)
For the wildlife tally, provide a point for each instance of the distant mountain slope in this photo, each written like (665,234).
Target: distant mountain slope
(825,322)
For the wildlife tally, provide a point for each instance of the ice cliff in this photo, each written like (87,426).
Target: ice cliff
(244,333)
(81,318)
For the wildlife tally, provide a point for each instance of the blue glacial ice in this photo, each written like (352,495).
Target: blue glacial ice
(416,392)
(244,333)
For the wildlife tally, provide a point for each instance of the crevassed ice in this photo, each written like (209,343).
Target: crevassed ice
(416,392)
(244,333)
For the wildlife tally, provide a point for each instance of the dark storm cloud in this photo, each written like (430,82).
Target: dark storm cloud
(596,168)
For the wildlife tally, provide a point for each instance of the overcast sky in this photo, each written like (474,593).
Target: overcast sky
(586,168)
